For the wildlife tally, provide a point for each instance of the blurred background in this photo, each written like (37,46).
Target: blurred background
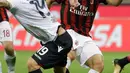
(110,31)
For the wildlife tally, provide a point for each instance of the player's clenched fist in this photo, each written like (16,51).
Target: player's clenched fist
(74,3)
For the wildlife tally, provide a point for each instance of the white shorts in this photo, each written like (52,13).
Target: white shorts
(84,47)
(5,31)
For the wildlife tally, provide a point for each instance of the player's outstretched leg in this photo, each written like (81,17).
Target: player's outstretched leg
(9,56)
(120,63)
(7,43)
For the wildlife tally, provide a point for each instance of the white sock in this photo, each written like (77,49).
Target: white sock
(68,62)
(92,71)
(10,60)
(0,68)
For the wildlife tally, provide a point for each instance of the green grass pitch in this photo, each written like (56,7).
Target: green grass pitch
(22,57)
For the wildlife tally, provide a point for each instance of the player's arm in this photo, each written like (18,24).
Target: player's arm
(5,3)
(114,2)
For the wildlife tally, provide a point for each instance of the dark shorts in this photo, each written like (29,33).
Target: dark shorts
(48,58)
(54,53)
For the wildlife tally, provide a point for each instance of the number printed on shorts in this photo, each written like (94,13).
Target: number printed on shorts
(6,33)
(42,50)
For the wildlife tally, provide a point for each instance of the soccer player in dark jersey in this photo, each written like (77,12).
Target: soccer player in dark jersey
(78,21)
(7,40)
(120,63)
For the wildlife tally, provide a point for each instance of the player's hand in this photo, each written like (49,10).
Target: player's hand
(74,3)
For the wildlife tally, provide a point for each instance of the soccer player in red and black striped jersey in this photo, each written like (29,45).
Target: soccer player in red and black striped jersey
(7,40)
(78,21)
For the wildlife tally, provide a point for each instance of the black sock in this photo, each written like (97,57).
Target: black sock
(67,70)
(123,61)
(36,71)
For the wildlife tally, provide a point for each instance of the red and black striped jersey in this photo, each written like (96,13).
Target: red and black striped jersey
(3,15)
(81,18)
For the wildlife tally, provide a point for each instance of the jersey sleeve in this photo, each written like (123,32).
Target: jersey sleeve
(59,1)
(104,1)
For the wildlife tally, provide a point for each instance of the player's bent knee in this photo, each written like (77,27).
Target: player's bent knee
(32,65)
(98,63)
(8,46)
(99,66)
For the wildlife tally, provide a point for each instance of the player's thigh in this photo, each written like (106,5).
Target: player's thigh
(8,47)
(89,50)
(96,59)
(32,65)
(7,43)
